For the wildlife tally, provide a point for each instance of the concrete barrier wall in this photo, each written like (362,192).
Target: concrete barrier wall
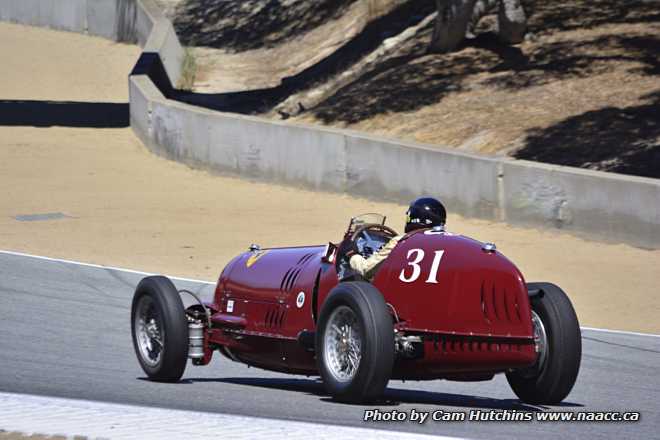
(147,15)
(396,171)
(113,19)
(594,204)
(600,205)
(142,93)
(68,15)
(163,41)
(139,21)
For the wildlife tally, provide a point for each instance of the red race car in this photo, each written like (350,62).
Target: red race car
(441,306)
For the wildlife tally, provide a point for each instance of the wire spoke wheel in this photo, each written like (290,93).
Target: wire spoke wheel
(541,345)
(159,328)
(343,344)
(149,329)
(355,343)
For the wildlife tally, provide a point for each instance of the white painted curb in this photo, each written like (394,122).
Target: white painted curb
(56,416)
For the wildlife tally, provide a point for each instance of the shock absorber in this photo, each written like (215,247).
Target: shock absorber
(196,330)
(195,340)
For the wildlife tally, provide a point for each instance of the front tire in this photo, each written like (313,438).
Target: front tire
(355,343)
(160,329)
(557,332)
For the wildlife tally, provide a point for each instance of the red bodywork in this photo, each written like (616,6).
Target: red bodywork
(474,322)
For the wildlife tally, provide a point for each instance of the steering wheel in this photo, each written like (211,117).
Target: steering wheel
(342,265)
(371,244)
(374,227)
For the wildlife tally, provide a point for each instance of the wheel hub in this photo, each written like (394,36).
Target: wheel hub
(149,335)
(343,343)
(540,346)
(540,340)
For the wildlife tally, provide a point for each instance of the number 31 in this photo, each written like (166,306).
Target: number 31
(417,270)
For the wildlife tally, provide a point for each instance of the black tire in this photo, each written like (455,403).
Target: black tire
(159,296)
(377,348)
(550,382)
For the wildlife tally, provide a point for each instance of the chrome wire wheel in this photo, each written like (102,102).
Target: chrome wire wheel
(343,344)
(149,334)
(540,346)
(540,341)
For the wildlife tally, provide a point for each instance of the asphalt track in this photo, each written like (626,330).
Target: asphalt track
(66,333)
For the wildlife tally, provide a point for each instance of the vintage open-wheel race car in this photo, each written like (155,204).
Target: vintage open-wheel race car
(441,306)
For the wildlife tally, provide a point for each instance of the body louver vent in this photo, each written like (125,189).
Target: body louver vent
(291,275)
(274,318)
(498,304)
(456,345)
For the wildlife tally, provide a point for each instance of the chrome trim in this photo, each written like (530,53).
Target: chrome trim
(540,340)
(489,247)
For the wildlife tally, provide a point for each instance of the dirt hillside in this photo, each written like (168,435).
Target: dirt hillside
(255,44)
(582,90)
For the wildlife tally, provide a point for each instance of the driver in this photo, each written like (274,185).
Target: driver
(423,213)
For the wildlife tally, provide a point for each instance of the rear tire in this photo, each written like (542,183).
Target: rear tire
(355,320)
(551,379)
(160,329)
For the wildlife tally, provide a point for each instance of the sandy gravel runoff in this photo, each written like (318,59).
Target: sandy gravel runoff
(123,206)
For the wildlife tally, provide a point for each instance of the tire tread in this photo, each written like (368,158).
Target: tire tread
(175,327)
(560,372)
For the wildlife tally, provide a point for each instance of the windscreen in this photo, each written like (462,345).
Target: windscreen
(366,219)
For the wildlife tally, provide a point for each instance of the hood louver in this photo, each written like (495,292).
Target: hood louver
(291,275)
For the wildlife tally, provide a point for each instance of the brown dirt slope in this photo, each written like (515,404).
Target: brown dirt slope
(255,44)
(583,90)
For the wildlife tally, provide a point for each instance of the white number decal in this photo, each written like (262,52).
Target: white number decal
(433,274)
(415,265)
(417,270)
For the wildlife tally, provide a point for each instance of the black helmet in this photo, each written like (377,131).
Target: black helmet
(425,212)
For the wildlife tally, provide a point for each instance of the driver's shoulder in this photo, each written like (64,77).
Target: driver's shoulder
(394,241)
(400,238)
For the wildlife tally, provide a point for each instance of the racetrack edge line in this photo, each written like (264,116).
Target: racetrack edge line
(100,266)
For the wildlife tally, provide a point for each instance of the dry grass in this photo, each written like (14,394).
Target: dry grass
(188,71)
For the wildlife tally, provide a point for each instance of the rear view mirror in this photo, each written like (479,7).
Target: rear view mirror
(329,254)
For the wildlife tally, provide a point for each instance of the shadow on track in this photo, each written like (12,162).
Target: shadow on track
(63,114)
(392,397)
